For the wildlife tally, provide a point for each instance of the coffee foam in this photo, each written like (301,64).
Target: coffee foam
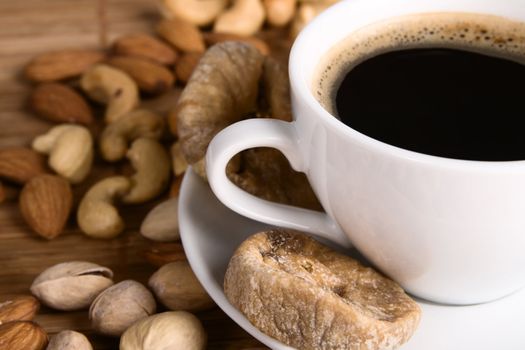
(486,34)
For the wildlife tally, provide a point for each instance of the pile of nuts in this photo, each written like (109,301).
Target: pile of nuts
(97,101)
(245,17)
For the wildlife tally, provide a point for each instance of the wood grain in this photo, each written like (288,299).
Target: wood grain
(27,28)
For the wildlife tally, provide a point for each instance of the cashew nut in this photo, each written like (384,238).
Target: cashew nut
(245,17)
(116,136)
(97,216)
(279,12)
(70,149)
(152,165)
(198,12)
(111,86)
(162,222)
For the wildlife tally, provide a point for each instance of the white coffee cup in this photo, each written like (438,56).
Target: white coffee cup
(449,231)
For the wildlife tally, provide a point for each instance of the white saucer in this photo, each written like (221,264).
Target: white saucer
(210,233)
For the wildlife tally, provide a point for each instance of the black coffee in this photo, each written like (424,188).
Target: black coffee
(443,102)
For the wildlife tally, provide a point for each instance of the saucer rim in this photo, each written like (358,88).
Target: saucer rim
(191,183)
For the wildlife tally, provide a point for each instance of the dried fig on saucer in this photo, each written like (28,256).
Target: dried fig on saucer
(310,297)
(224,89)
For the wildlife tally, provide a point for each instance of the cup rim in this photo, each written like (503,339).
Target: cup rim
(300,85)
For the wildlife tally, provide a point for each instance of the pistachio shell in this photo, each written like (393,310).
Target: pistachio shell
(71,285)
(168,330)
(69,340)
(177,288)
(119,306)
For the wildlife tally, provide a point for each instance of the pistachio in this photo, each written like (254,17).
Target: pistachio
(176,286)
(71,285)
(20,308)
(69,340)
(119,306)
(168,330)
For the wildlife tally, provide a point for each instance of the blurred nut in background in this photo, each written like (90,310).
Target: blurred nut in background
(186,65)
(119,306)
(60,103)
(70,149)
(182,34)
(138,123)
(152,164)
(63,64)
(45,203)
(198,12)
(177,288)
(151,77)
(20,308)
(159,254)
(69,340)
(22,335)
(112,87)
(97,215)
(279,12)
(146,46)
(71,285)
(167,330)
(162,222)
(21,164)
(245,17)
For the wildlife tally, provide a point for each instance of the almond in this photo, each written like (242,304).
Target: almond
(20,308)
(60,103)
(159,254)
(181,34)
(150,77)
(145,46)
(162,222)
(22,335)
(213,38)
(21,164)
(45,203)
(58,65)
(186,64)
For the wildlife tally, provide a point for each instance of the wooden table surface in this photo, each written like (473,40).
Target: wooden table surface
(28,27)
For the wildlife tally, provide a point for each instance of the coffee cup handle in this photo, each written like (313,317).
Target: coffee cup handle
(277,134)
